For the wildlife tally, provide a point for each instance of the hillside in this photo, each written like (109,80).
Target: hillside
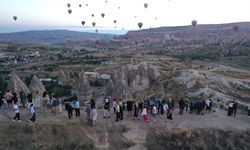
(200,32)
(50,36)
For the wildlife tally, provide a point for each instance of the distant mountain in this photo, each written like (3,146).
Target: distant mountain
(50,36)
(200,32)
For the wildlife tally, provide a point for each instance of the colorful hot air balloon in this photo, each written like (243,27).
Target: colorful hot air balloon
(140,24)
(236,28)
(68,4)
(15,18)
(69,11)
(194,23)
(93,24)
(83,23)
(103,15)
(146,5)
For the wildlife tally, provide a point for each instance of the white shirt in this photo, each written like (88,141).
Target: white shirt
(144,111)
(16,109)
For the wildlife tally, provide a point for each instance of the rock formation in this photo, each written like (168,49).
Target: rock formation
(64,77)
(84,89)
(16,84)
(36,85)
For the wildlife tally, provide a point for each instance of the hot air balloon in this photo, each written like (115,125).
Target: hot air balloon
(68,4)
(103,15)
(236,28)
(80,5)
(122,28)
(15,18)
(156,18)
(106,1)
(92,15)
(69,11)
(93,24)
(87,4)
(96,30)
(83,23)
(114,21)
(145,5)
(119,7)
(135,16)
(194,23)
(140,24)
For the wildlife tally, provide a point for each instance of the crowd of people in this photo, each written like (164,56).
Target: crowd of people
(147,109)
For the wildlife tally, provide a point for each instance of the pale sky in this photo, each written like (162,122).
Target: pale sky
(53,14)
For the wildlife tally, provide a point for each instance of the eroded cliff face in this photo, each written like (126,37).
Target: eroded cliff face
(16,84)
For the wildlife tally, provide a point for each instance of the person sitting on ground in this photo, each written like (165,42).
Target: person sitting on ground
(33,113)
(17,112)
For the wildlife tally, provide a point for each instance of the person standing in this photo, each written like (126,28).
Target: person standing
(33,113)
(30,100)
(144,114)
(121,109)
(106,108)
(8,96)
(77,107)
(117,111)
(230,108)
(37,100)
(14,98)
(235,105)
(23,98)
(93,114)
(186,103)
(17,112)
(44,101)
(69,108)
(154,112)
(181,106)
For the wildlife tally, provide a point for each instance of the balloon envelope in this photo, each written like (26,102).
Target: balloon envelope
(83,23)
(146,5)
(140,24)
(93,24)
(114,21)
(80,5)
(15,18)
(194,23)
(68,4)
(69,11)
(103,15)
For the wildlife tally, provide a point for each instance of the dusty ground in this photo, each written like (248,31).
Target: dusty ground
(130,133)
